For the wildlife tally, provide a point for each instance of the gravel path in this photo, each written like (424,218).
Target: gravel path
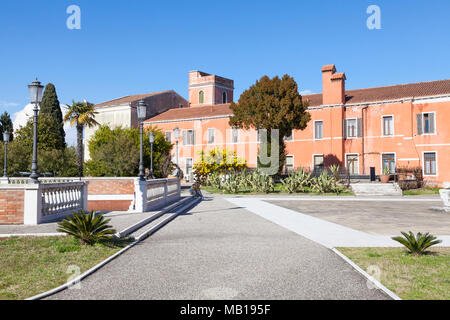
(220,251)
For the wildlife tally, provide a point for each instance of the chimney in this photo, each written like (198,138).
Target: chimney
(333,85)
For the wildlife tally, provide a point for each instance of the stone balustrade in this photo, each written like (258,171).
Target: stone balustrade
(154,194)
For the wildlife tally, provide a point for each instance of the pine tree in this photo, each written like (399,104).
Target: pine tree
(51,109)
(6,125)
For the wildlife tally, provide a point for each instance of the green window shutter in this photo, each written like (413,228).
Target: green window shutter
(344,128)
(431,115)
(360,127)
(419,124)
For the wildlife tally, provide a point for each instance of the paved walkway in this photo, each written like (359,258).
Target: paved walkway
(222,251)
(329,234)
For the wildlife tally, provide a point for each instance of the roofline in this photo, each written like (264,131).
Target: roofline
(188,119)
(379,101)
(150,94)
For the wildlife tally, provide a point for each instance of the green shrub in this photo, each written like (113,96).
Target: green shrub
(231,183)
(88,228)
(417,244)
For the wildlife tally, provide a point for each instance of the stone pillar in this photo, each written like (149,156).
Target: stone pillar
(140,189)
(445,195)
(32,211)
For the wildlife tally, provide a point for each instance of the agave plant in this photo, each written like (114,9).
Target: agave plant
(325,184)
(417,244)
(215,180)
(261,182)
(231,184)
(89,228)
(297,181)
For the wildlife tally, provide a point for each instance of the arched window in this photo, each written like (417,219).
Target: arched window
(201,97)
(224,97)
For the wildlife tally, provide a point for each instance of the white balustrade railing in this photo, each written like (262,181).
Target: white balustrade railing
(153,194)
(62,198)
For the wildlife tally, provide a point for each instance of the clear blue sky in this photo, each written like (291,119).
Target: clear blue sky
(138,46)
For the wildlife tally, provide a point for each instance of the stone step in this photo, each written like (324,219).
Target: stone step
(376,189)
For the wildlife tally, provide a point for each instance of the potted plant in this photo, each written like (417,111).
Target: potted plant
(384,178)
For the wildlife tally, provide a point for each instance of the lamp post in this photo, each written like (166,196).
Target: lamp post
(141,113)
(35,89)
(151,138)
(176,133)
(5,140)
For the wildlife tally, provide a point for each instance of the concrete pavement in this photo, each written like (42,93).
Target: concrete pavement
(222,251)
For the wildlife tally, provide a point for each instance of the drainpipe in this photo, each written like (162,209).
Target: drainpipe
(363,140)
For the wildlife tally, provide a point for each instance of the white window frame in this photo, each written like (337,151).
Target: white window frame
(423,124)
(293,162)
(193,137)
(423,164)
(346,161)
(314,163)
(381,160)
(291,137)
(356,128)
(213,130)
(186,166)
(382,125)
(170,132)
(238,135)
(315,133)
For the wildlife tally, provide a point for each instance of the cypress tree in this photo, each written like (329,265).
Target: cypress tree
(51,109)
(6,125)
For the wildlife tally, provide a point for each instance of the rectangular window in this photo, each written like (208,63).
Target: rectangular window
(318,129)
(290,137)
(351,128)
(235,135)
(289,166)
(211,137)
(352,164)
(188,175)
(188,137)
(318,162)
(429,162)
(428,123)
(388,160)
(388,125)
(169,136)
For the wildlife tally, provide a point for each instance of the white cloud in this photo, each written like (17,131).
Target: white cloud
(305,92)
(6,104)
(21,119)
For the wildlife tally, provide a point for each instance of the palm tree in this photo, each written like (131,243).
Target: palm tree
(81,114)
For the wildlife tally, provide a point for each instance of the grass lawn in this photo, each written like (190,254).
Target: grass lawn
(421,191)
(411,277)
(277,190)
(33,265)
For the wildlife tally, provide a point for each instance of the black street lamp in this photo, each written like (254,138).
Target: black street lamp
(141,113)
(151,138)
(36,97)
(6,140)
(176,133)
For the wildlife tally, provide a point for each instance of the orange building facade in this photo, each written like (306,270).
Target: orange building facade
(392,127)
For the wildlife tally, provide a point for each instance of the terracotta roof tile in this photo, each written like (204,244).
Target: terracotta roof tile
(194,113)
(422,89)
(129,99)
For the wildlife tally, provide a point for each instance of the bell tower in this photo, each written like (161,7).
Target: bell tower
(208,89)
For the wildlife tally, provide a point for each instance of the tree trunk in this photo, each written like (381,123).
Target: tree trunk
(80,149)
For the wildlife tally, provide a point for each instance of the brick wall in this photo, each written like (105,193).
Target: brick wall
(107,190)
(110,186)
(11,206)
